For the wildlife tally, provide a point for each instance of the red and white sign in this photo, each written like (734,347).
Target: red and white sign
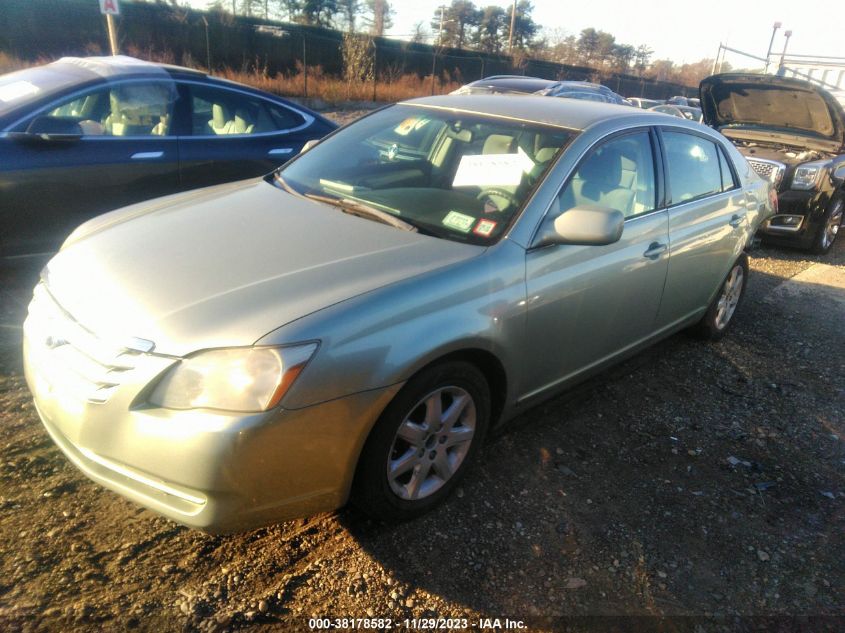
(109,7)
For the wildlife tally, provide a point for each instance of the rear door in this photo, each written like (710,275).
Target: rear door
(235,135)
(126,154)
(707,216)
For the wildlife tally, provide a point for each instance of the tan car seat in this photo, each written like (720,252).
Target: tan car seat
(599,181)
(220,122)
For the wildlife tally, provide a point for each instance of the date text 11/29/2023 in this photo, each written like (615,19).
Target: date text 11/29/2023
(415,624)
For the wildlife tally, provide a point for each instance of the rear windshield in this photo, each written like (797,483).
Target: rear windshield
(458,176)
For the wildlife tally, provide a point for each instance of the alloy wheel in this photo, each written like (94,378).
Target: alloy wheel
(729,299)
(431,443)
(831,228)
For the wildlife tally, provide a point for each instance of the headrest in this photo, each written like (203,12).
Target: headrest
(243,123)
(218,115)
(604,167)
(545,154)
(498,144)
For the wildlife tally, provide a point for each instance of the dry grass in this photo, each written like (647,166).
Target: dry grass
(327,88)
(336,90)
(9,63)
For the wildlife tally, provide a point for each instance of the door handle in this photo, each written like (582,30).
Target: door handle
(735,221)
(280,151)
(655,250)
(146,155)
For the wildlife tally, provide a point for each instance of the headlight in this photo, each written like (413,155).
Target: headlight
(806,176)
(247,379)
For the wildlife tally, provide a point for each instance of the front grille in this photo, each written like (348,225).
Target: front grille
(72,358)
(769,169)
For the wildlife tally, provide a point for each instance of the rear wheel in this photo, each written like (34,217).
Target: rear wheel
(424,442)
(719,315)
(829,229)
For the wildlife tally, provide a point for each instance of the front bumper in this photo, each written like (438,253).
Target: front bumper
(806,209)
(208,470)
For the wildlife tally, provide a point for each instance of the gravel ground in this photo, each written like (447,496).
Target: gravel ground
(693,480)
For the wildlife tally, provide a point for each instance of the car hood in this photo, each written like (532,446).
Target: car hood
(773,105)
(224,266)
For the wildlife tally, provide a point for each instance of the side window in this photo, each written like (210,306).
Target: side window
(220,112)
(284,118)
(728,181)
(619,174)
(127,109)
(693,166)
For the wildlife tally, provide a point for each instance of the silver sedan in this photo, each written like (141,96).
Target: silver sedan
(352,325)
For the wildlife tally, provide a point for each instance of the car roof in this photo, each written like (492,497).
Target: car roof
(510,77)
(573,114)
(583,84)
(117,65)
(531,84)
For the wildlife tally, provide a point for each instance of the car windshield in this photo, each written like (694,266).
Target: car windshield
(26,86)
(586,96)
(455,175)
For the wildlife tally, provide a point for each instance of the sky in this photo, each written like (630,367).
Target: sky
(683,31)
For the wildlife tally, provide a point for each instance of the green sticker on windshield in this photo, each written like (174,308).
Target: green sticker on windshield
(459,221)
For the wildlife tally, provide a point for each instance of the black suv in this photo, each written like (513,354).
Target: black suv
(793,133)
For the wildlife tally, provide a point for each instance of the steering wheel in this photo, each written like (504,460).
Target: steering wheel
(500,193)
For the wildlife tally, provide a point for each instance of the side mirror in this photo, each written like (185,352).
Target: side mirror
(47,128)
(589,225)
(839,172)
(309,145)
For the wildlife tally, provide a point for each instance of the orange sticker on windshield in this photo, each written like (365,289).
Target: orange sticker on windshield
(410,125)
(484,228)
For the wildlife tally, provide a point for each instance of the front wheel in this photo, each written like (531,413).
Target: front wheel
(423,443)
(829,229)
(719,315)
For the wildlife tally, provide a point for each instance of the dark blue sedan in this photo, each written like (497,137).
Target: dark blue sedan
(81,136)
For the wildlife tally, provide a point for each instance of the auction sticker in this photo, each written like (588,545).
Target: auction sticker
(492,169)
(484,227)
(459,221)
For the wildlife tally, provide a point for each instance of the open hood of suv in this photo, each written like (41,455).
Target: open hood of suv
(773,105)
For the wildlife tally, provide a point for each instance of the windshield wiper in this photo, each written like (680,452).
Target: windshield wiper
(284,185)
(353,207)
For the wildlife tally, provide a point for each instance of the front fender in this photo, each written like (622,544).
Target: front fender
(385,336)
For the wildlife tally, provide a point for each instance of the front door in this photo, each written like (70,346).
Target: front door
(587,304)
(126,154)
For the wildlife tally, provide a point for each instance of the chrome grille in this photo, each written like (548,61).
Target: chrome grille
(769,169)
(72,358)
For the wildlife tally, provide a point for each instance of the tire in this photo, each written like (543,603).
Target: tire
(829,229)
(413,457)
(719,315)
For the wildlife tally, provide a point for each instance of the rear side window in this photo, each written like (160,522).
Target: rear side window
(728,181)
(220,112)
(693,164)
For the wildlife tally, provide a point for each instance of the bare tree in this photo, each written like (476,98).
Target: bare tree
(641,58)
(421,34)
